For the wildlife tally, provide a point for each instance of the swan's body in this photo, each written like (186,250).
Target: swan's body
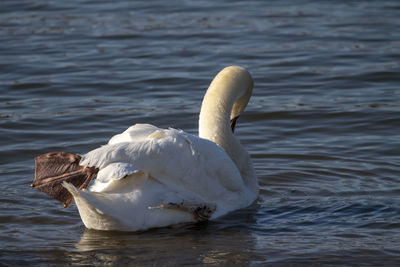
(151,177)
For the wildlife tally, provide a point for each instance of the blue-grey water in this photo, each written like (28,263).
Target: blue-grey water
(323,125)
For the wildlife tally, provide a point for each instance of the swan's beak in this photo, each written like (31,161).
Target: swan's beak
(233,123)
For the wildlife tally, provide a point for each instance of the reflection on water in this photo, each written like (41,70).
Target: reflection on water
(190,244)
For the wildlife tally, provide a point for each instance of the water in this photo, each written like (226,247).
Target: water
(323,125)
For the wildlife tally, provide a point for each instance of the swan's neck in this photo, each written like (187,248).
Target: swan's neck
(214,121)
(226,97)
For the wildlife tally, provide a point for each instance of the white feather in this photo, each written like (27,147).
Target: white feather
(145,169)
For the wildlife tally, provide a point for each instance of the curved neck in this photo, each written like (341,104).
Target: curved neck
(226,97)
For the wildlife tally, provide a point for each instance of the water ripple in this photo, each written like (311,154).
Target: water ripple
(322,126)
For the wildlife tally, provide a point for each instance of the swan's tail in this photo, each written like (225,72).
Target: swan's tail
(94,213)
(54,168)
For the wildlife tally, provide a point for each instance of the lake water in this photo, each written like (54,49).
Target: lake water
(323,125)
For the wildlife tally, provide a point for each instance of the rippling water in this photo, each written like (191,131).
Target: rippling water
(323,126)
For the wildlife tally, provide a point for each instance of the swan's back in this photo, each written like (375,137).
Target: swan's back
(164,166)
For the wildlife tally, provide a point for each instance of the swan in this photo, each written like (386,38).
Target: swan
(149,177)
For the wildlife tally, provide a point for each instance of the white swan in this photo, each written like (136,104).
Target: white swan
(150,177)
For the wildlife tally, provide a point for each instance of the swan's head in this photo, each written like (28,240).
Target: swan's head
(245,81)
(225,100)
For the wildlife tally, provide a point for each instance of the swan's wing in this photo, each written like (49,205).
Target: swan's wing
(168,156)
(195,167)
(116,171)
(136,133)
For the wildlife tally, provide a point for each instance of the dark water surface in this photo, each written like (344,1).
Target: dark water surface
(323,126)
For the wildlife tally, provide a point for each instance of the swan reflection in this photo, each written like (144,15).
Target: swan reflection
(226,241)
